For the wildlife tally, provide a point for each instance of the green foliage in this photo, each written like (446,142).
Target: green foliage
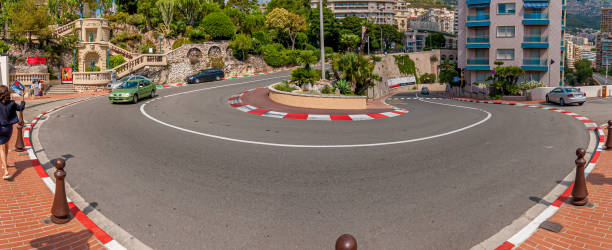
(575,22)
(505,80)
(272,55)
(253,23)
(144,49)
(435,41)
(166,9)
(526,86)
(216,62)
(284,86)
(428,78)
(247,6)
(390,35)
(375,58)
(197,35)
(242,44)
(498,63)
(190,10)
(307,58)
(301,76)
(343,86)
(327,90)
(179,42)
(583,71)
(331,31)
(406,65)
(4,47)
(448,71)
(137,20)
(52,76)
(219,26)
(357,70)
(89,69)
(115,60)
(349,41)
(301,7)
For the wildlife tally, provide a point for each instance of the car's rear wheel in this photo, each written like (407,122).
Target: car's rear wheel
(561,102)
(152,93)
(547,99)
(217,78)
(580,103)
(197,80)
(135,99)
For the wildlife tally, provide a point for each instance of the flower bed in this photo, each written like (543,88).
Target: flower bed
(316,101)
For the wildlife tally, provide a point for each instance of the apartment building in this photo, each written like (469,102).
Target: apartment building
(527,33)
(603,42)
(376,11)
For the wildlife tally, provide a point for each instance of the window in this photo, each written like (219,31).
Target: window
(481,76)
(505,31)
(506,8)
(451,58)
(535,76)
(443,58)
(505,54)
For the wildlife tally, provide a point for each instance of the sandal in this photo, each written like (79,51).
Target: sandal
(6,176)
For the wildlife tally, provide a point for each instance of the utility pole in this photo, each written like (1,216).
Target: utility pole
(322,39)
(382,45)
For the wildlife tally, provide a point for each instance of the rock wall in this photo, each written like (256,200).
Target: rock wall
(191,58)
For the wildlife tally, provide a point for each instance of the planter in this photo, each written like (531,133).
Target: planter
(317,101)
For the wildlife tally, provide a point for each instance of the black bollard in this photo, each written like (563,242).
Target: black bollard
(609,141)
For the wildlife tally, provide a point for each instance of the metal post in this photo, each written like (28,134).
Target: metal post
(580,192)
(60,212)
(608,140)
(19,146)
(321,34)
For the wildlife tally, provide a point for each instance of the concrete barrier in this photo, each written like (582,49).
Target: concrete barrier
(317,101)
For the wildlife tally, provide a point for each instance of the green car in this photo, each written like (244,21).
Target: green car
(132,90)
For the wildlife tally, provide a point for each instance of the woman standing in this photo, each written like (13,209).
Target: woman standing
(8,117)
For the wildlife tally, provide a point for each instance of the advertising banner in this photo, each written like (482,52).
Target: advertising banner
(66,75)
(37,60)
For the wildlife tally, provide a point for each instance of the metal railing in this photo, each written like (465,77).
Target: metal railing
(478,61)
(536,15)
(478,39)
(478,18)
(534,62)
(535,39)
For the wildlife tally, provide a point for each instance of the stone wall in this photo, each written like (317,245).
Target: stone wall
(191,58)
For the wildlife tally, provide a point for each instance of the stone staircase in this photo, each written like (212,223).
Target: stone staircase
(60,89)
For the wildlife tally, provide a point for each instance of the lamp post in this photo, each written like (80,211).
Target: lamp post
(322,39)
(160,43)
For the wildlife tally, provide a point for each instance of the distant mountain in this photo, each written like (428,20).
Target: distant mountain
(575,22)
(587,7)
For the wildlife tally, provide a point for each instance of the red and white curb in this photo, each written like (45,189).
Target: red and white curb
(102,236)
(526,232)
(236,102)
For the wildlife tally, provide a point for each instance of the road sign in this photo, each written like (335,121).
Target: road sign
(456,79)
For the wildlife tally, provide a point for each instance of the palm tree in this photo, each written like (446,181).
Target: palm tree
(307,58)
(357,70)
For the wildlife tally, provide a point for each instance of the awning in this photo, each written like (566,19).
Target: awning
(478,5)
(539,5)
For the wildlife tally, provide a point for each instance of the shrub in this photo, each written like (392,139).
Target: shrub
(219,26)
(428,78)
(179,42)
(284,86)
(197,35)
(272,56)
(216,62)
(124,36)
(115,60)
(327,90)
(302,76)
(89,69)
(375,58)
(136,19)
(343,86)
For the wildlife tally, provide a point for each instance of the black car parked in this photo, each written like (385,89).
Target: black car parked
(206,75)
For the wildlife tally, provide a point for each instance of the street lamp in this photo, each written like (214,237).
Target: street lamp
(160,43)
(322,39)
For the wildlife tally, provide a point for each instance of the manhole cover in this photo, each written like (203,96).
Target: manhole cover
(551,226)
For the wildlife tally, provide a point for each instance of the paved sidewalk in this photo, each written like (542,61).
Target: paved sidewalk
(25,201)
(583,227)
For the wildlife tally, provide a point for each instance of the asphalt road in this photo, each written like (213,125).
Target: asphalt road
(174,189)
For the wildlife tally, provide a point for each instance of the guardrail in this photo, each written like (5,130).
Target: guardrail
(27,78)
(480,39)
(92,78)
(478,61)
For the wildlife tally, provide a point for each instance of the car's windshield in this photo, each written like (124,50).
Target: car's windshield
(572,90)
(129,85)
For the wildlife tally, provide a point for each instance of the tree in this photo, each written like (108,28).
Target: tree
(330,29)
(166,8)
(300,7)
(352,24)
(307,58)
(190,10)
(245,5)
(435,41)
(357,70)
(288,22)
(583,71)
(219,26)
(505,79)
(129,6)
(349,41)
(150,11)
(253,23)
(4,47)
(432,61)
(242,43)
(390,34)
(29,18)
(448,71)
(115,60)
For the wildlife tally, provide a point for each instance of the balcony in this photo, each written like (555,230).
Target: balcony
(535,64)
(479,42)
(472,2)
(535,42)
(478,20)
(478,64)
(535,18)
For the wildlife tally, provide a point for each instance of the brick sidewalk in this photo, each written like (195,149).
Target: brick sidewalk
(24,202)
(583,227)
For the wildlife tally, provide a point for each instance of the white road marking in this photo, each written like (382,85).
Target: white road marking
(142,110)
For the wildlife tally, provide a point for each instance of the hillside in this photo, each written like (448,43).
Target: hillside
(581,22)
